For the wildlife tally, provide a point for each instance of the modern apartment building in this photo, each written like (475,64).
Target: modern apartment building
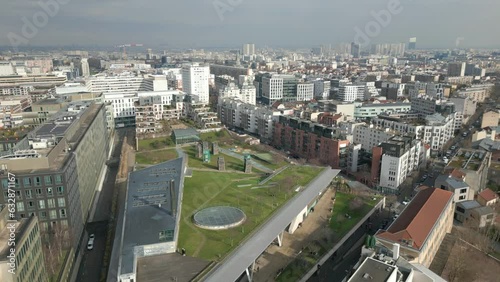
(399,157)
(58,168)
(435,130)
(248,49)
(28,254)
(312,141)
(279,88)
(421,227)
(195,81)
(370,136)
(248,93)
(351,93)
(153,107)
(120,109)
(369,110)
(250,118)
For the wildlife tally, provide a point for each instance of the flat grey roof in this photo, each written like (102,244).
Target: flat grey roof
(471,204)
(372,270)
(242,257)
(151,207)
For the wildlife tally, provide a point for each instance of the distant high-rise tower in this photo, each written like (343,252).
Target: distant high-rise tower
(195,80)
(248,49)
(355,52)
(85,67)
(412,45)
(456,69)
(149,55)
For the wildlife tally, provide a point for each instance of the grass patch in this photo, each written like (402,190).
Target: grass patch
(216,136)
(155,157)
(355,206)
(155,143)
(207,189)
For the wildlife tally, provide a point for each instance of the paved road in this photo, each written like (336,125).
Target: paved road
(92,261)
(240,157)
(344,259)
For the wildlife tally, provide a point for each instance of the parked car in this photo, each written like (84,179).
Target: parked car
(90,244)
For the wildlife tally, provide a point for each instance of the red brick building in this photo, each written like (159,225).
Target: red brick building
(311,141)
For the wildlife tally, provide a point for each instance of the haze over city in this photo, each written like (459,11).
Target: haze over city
(279,23)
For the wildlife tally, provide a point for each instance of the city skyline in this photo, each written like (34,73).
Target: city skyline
(223,23)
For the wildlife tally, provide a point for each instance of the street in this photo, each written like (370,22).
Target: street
(93,260)
(344,259)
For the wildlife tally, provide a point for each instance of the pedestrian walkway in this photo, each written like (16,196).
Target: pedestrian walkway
(273,175)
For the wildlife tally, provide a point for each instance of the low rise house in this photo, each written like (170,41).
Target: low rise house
(473,214)
(487,197)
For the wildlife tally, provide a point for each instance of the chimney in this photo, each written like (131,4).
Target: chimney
(395,251)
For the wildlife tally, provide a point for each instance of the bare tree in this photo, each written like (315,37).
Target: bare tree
(456,265)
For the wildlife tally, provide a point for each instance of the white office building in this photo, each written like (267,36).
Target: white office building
(120,109)
(123,83)
(85,67)
(369,110)
(351,93)
(305,91)
(195,80)
(248,49)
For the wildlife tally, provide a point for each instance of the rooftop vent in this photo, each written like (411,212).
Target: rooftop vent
(367,276)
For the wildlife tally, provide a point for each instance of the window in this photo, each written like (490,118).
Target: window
(51,203)
(443,187)
(60,190)
(62,213)
(5,183)
(464,190)
(49,191)
(38,181)
(53,214)
(20,206)
(31,205)
(28,194)
(41,204)
(48,180)
(43,215)
(58,179)
(18,195)
(39,192)
(461,198)
(27,181)
(61,202)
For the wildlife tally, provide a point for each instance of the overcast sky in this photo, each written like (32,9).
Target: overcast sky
(288,23)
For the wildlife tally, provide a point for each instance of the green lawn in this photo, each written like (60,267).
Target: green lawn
(356,206)
(155,157)
(206,189)
(155,143)
(219,136)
